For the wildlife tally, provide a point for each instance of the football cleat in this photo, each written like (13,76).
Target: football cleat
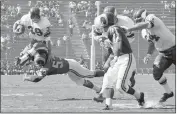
(141,100)
(108,108)
(166,96)
(99,99)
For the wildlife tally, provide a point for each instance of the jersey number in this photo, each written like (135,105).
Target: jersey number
(57,64)
(35,31)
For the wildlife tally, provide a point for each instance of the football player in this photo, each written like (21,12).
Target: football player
(100,36)
(123,63)
(39,27)
(52,65)
(161,38)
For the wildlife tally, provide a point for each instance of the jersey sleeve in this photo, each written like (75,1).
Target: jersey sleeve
(153,21)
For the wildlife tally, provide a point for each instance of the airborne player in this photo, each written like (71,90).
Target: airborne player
(39,27)
(52,65)
(161,38)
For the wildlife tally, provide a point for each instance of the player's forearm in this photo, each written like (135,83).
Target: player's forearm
(138,26)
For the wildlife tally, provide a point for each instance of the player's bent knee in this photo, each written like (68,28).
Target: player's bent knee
(157,72)
(120,87)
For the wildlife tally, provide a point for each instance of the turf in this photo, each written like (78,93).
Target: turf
(59,94)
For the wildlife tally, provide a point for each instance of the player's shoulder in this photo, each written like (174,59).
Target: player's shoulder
(45,20)
(25,17)
(151,17)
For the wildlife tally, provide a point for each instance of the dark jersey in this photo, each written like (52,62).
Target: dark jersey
(56,65)
(117,36)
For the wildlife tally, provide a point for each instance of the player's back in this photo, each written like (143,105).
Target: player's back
(165,38)
(57,65)
(116,35)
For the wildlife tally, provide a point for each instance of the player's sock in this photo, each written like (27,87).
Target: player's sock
(133,92)
(109,93)
(108,102)
(96,88)
(167,88)
(89,84)
(99,73)
(163,82)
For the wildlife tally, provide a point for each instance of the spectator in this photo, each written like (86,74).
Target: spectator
(58,41)
(18,8)
(71,26)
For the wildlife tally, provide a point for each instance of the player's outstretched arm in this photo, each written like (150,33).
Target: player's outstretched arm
(138,26)
(39,75)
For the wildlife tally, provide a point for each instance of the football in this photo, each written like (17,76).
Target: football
(18,28)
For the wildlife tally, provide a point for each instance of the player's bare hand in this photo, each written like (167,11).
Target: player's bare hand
(147,58)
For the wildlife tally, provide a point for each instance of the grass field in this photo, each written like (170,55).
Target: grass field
(59,94)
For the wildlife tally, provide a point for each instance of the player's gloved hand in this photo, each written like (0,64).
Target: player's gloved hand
(146,59)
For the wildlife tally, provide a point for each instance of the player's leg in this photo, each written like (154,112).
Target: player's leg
(125,72)
(77,73)
(160,65)
(74,66)
(109,82)
(74,76)
(106,82)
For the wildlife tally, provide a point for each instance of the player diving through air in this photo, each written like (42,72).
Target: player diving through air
(49,64)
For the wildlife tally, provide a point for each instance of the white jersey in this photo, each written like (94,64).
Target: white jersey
(164,37)
(37,29)
(125,21)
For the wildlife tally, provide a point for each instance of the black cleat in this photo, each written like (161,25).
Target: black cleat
(166,96)
(100,98)
(132,79)
(141,100)
(107,108)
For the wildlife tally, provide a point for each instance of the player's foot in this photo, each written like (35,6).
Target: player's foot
(100,98)
(107,108)
(132,79)
(141,100)
(166,96)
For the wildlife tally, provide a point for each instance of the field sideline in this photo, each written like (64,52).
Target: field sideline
(59,94)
